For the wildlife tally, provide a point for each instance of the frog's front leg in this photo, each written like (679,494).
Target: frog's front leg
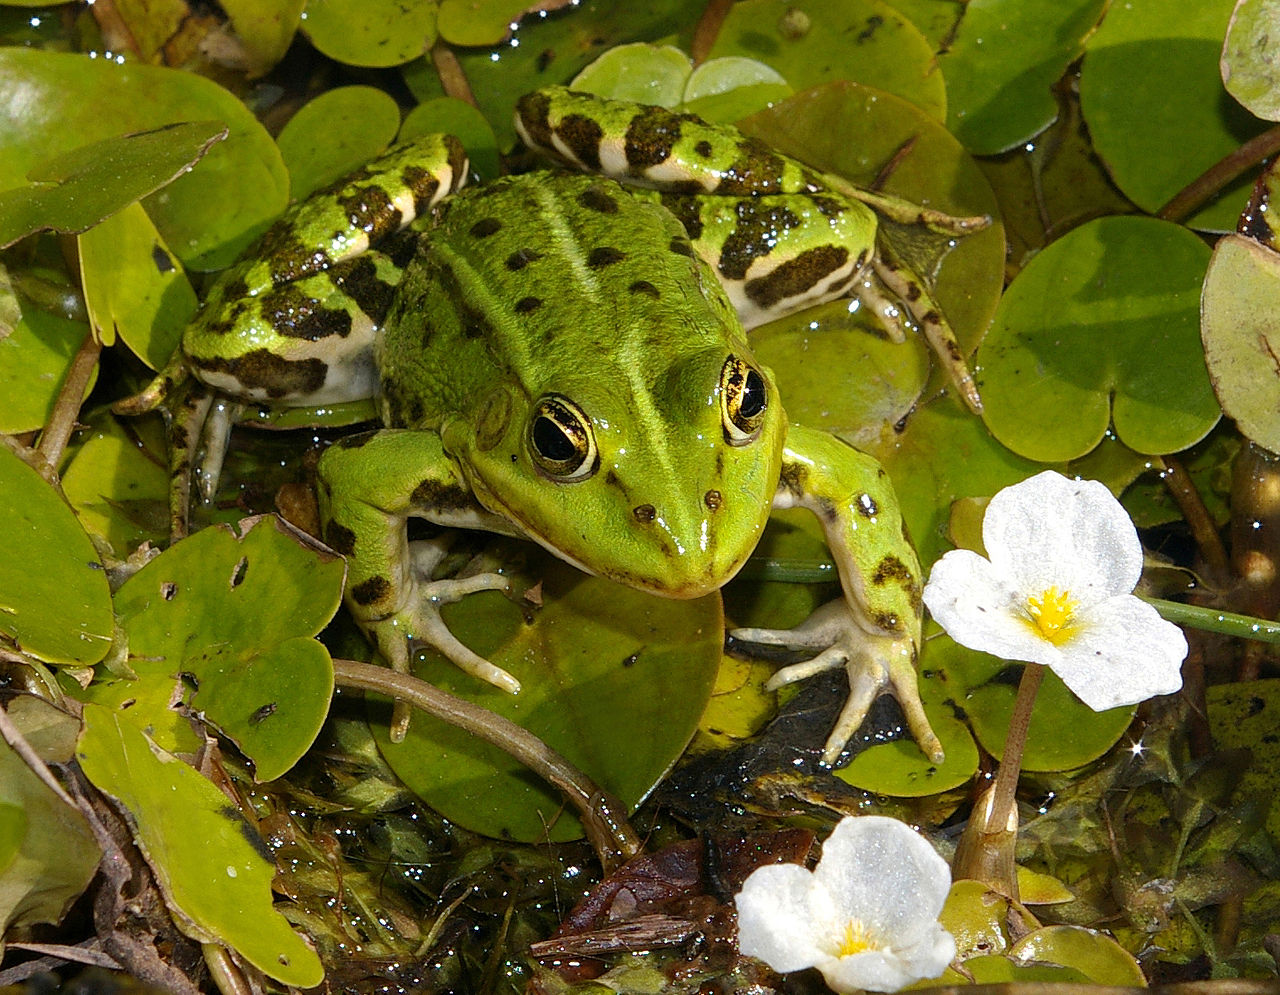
(874,630)
(370,485)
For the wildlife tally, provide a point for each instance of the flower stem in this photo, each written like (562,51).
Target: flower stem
(1214,620)
(1014,743)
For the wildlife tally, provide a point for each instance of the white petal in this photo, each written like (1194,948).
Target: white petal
(980,609)
(1124,653)
(1049,531)
(886,875)
(890,970)
(782,912)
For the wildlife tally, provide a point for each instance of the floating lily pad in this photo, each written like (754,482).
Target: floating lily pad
(134,285)
(235,616)
(612,679)
(207,860)
(1240,327)
(118,483)
(373,33)
(265,28)
(53,102)
(1097,956)
(1065,733)
(1101,328)
(34,359)
(61,612)
(647,74)
(1251,57)
(74,190)
(864,41)
(486,22)
(1002,64)
(334,134)
(1152,98)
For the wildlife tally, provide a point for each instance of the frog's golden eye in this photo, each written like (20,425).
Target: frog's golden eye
(560,440)
(744,397)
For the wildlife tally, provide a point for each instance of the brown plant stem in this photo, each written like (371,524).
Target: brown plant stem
(602,815)
(1014,744)
(56,434)
(1205,186)
(1197,516)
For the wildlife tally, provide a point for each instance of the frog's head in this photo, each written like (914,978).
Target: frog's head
(660,480)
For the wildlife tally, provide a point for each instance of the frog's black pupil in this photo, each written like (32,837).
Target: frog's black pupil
(753,399)
(551,441)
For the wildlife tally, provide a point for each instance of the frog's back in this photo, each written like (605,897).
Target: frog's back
(539,280)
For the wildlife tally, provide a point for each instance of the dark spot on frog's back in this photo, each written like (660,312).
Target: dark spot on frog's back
(888,621)
(646,288)
(267,372)
(703,148)
(651,135)
(712,499)
(757,169)
(605,255)
(753,237)
(521,258)
(681,247)
(360,280)
(686,211)
(594,198)
(296,316)
(340,539)
(371,590)
(583,136)
(486,227)
(527,305)
(796,275)
(533,109)
(645,513)
(439,496)
(370,210)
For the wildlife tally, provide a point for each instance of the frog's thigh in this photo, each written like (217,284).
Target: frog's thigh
(370,485)
(853,499)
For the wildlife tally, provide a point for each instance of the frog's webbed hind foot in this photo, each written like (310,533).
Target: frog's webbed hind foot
(876,664)
(421,624)
(907,212)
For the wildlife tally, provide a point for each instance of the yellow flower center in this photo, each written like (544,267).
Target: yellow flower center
(857,938)
(1050,614)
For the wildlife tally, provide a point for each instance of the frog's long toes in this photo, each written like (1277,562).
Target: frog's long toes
(828,659)
(448,591)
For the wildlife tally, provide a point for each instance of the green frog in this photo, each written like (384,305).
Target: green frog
(562,357)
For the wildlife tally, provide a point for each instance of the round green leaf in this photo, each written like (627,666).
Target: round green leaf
(1002,64)
(335,134)
(60,612)
(1240,327)
(51,102)
(264,28)
(647,74)
(118,483)
(485,22)
(1065,733)
(373,33)
(1152,97)
(134,285)
(838,375)
(238,614)
(1097,956)
(34,359)
(1251,57)
(728,89)
(612,679)
(1101,327)
(861,40)
(207,860)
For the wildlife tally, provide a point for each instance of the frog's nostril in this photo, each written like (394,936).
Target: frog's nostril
(712,500)
(645,513)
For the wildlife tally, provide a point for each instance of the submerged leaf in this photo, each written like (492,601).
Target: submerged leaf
(212,867)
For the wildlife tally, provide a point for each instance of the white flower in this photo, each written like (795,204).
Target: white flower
(866,916)
(1056,589)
